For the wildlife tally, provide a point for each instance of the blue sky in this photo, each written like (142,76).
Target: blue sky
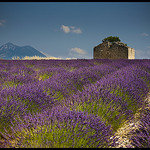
(72,29)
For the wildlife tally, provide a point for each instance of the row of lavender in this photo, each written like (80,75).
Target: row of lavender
(73,103)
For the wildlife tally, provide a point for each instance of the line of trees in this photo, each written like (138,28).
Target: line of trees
(111,39)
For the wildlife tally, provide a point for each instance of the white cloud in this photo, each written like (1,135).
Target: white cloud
(2,22)
(66,29)
(144,34)
(77,31)
(78,51)
(71,29)
(148,46)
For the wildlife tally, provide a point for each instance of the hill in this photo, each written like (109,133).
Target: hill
(9,50)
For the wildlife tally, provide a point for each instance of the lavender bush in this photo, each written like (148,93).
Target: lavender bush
(140,138)
(71,103)
(63,128)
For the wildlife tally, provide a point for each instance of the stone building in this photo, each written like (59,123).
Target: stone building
(114,50)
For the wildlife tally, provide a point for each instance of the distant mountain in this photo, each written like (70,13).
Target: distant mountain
(9,50)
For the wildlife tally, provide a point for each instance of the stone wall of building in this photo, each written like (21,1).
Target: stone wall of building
(116,50)
(131,53)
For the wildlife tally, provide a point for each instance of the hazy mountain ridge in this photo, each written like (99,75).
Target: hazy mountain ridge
(9,50)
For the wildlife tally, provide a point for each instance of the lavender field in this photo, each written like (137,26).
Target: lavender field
(72,103)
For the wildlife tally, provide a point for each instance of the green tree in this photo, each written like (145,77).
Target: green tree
(111,39)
